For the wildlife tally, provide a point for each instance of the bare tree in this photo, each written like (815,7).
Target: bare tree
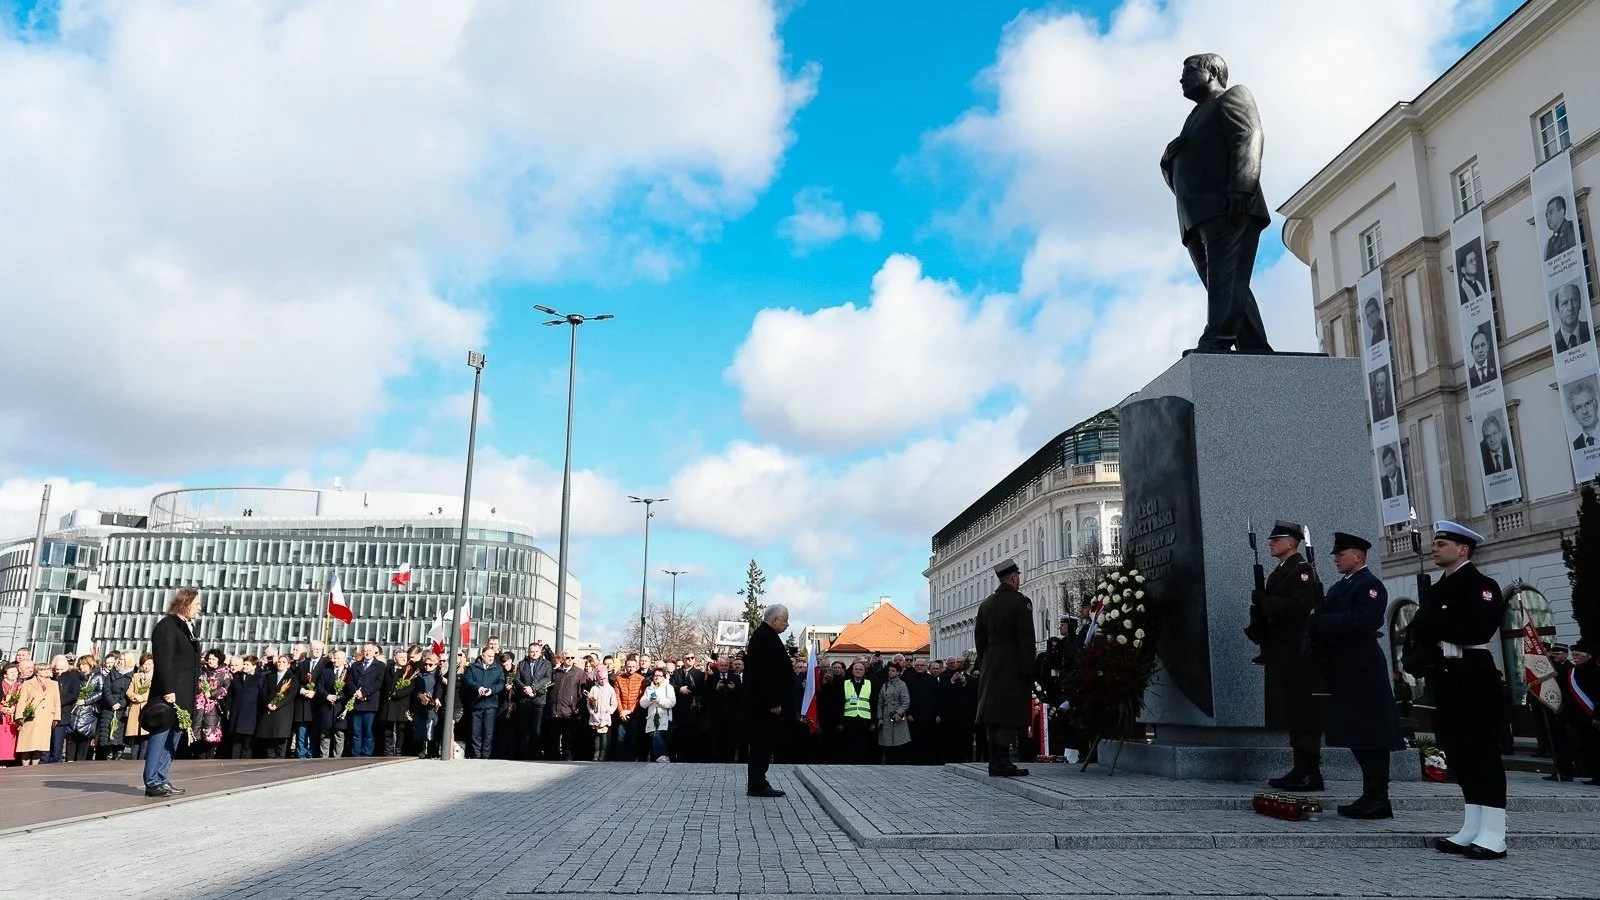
(672,632)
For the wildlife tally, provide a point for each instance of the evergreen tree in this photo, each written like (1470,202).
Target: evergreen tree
(791,645)
(755,585)
(1582,556)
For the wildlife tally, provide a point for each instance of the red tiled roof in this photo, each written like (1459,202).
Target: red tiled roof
(884,630)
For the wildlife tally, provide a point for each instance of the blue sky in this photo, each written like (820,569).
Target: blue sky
(272,234)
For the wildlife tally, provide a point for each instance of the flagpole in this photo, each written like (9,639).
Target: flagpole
(327,608)
(447,744)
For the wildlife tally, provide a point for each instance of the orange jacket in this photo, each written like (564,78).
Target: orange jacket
(629,687)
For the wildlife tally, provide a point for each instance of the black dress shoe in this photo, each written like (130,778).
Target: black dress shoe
(1282,782)
(1007,771)
(160,790)
(1311,781)
(1558,777)
(1445,845)
(1476,852)
(1368,808)
(174,790)
(764,792)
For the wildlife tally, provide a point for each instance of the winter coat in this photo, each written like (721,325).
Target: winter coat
(278,724)
(210,708)
(657,704)
(602,704)
(768,674)
(245,703)
(1292,592)
(1359,712)
(83,716)
(330,716)
(924,690)
(535,674)
(489,676)
(894,699)
(138,694)
(1005,641)
(367,677)
(566,694)
(397,701)
(305,674)
(177,662)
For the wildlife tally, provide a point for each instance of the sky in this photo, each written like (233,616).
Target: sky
(864,258)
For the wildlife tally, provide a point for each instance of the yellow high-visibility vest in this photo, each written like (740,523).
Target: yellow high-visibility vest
(857,706)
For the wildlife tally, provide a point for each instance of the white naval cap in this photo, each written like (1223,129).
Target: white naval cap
(1461,534)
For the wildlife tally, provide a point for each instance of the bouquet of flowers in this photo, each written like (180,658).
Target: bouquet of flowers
(141,689)
(1106,694)
(86,690)
(205,687)
(185,721)
(1434,767)
(12,698)
(401,683)
(280,696)
(349,706)
(29,712)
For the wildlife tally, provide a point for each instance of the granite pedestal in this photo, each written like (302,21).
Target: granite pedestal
(1216,442)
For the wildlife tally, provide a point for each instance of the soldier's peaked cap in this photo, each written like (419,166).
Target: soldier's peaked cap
(1006,567)
(1461,534)
(1281,528)
(1342,541)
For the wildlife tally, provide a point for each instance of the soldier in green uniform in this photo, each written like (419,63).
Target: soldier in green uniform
(1005,639)
(1454,627)
(1292,593)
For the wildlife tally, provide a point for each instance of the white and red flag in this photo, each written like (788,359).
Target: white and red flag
(437,634)
(808,702)
(402,577)
(337,608)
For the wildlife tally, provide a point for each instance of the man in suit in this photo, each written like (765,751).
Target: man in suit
(1571,330)
(1214,169)
(308,737)
(366,678)
(1382,401)
(1394,481)
(1359,712)
(532,691)
(769,696)
(1585,408)
(1563,236)
(1003,635)
(333,686)
(1375,330)
(1292,593)
(1458,620)
(1482,370)
(1470,279)
(1494,449)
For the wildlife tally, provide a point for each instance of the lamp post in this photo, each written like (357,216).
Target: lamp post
(644,580)
(674,573)
(574,320)
(447,746)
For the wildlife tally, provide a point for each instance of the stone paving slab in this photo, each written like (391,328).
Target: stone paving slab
(493,829)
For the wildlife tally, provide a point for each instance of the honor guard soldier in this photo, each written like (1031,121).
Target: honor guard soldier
(1291,594)
(1458,619)
(1359,712)
(1005,639)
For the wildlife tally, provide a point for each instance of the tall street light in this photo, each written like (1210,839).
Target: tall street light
(674,573)
(574,320)
(447,746)
(644,581)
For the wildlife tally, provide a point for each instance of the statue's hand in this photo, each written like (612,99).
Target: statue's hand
(1238,204)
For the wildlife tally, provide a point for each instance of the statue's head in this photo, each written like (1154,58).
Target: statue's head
(1203,75)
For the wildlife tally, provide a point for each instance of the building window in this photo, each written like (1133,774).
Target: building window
(1066,535)
(1372,247)
(1091,537)
(1552,125)
(1469,193)
(1116,535)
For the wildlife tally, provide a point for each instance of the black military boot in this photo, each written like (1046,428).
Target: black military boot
(1374,800)
(1305,776)
(1000,764)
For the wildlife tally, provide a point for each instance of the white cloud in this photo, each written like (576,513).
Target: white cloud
(19,501)
(805,600)
(819,220)
(849,376)
(228,225)
(458,408)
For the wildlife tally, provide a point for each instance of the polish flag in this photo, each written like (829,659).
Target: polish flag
(808,702)
(436,634)
(336,605)
(402,577)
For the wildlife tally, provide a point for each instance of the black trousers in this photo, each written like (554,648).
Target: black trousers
(1224,253)
(764,730)
(1374,773)
(1471,707)
(531,723)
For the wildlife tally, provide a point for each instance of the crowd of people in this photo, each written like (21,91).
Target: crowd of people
(311,702)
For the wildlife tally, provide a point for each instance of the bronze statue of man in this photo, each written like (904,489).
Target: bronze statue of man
(1214,169)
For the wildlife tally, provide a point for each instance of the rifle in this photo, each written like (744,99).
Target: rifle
(1419,656)
(1255,631)
(1310,646)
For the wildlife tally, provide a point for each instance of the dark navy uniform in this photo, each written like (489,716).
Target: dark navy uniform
(1291,594)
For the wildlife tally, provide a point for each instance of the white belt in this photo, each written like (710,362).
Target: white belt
(1453,651)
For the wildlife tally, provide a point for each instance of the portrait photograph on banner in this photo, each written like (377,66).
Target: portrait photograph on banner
(1386,450)
(1472,275)
(1566,289)
(1391,479)
(1480,354)
(1481,367)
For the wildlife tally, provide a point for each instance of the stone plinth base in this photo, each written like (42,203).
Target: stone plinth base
(1257,762)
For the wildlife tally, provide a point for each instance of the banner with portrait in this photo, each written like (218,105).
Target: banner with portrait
(1566,297)
(1486,399)
(1394,503)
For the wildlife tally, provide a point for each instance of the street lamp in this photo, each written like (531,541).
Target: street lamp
(644,581)
(674,573)
(447,746)
(574,320)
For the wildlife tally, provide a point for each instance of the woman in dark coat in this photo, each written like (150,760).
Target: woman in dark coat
(276,722)
(244,709)
(1359,712)
(114,707)
(394,714)
(173,686)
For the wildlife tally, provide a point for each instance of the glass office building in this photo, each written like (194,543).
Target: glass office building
(263,558)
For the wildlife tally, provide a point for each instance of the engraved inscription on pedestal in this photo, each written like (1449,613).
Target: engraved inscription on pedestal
(1161,487)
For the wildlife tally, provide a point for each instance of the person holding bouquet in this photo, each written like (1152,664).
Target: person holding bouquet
(37,710)
(114,706)
(215,681)
(273,727)
(138,694)
(244,708)
(173,686)
(83,717)
(394,716)
(10,691)
(333,689)
(427,706)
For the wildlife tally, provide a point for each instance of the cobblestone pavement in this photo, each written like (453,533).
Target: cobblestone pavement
(493,829)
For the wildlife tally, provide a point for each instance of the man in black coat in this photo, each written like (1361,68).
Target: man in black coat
(769,696)
(688,682)
(1359,713)
(1214,170)
(725,696)
(308,736)
(1292,593)
(333,688)
(244,708)
(173,685)
(531,689)
(924,721)
(1458,621)
(366,686)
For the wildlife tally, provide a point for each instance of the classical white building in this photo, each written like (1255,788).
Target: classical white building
(1525,98)
(1059,515)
